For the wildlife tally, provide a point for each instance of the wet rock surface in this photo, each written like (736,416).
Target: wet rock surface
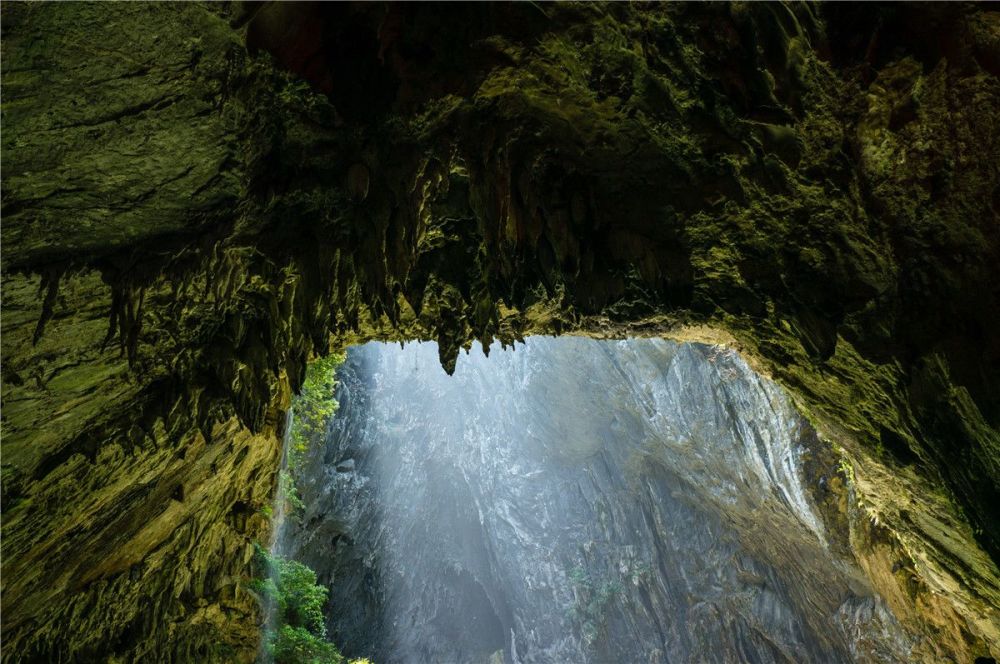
(585,501)
(197,198)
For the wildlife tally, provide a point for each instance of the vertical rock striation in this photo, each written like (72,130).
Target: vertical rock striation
(576,500)
(197,197)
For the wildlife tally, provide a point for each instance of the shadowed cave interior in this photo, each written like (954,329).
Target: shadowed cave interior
(580,500)
(200,199)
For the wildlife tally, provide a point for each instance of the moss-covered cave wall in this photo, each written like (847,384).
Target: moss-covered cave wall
(196,198)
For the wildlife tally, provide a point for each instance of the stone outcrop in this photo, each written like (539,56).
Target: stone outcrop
(577,500)
(196,198)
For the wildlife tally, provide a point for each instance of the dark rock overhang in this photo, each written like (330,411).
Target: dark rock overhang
(198,198)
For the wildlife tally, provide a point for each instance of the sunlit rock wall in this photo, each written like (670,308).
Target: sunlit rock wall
(197,197)
(585,501)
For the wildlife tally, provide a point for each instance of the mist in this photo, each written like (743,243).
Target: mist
(574,500)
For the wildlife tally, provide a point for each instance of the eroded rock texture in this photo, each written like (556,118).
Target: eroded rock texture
(584,501)
(198,197)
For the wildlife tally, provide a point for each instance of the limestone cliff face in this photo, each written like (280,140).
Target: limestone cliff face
(196,198)
(577,500)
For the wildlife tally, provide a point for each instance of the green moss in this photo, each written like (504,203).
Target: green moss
(602,169)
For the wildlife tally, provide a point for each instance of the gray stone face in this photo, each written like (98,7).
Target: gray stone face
(186,221)
(579,501)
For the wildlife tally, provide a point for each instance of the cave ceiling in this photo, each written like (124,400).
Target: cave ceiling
(197,198)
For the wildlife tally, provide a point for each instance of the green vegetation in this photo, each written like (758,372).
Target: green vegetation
(313,408)
(298,635)
(288,492)
(592,601)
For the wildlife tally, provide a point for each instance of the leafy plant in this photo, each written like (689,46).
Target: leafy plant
(290,590)
(314,406)
(297,645)
(288,492)
(296,633)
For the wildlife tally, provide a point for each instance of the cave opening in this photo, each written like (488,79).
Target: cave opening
(198,198)
(571,499)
